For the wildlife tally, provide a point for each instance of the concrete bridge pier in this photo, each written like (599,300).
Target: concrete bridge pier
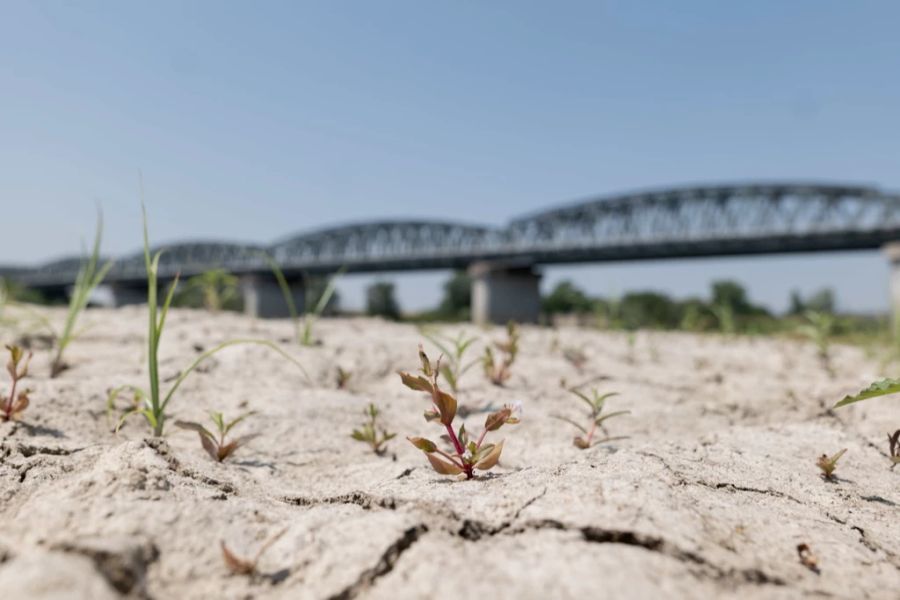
(263,297)
(892,252)
(503,292)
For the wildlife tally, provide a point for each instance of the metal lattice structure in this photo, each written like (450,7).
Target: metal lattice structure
(680,222)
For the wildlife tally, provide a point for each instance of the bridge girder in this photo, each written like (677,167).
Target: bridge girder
(679,222)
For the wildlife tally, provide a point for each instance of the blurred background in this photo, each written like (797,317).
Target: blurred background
(255,122)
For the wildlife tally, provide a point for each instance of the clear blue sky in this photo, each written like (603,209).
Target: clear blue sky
(253,120)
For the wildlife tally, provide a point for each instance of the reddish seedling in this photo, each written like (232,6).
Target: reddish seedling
(369,432)
(218,448)
(894,447)
(342,378)
(238,565)
(466,454)
(828,464)
(575,357)
(497,369)
(595,402)
(15,404)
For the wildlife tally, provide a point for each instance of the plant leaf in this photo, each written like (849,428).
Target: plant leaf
(491,459)
(446,405)
(497,419)
(879,388)
(235,564)
(416,382)
(423,444)
(443,467)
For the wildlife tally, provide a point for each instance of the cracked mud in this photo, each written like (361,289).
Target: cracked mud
(708,496)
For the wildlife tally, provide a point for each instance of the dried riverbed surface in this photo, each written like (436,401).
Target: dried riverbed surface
(709,495)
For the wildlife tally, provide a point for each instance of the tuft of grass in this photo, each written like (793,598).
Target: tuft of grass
(467,454)
(342,377)
(498,372)
(15,404)
(828,464)
(152,406)
(216,445)
(304,326)
(369,431)
(576,357)
(454,350)
(216,287)
(596,419)
(90,275)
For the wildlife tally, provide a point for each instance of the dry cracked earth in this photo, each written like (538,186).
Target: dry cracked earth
(708,496)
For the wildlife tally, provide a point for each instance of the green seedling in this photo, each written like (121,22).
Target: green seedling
(467,455)
(152,406)
(342,378)
(894,448)
(498,372)
(90,275)
(248,567)
(819,329)
(15,404)
(216,445)
(828,464)
(217,286)
(454,350)
(631,342)
(595,402)
(369,432)
(304,327)
(575,357)
(724,314)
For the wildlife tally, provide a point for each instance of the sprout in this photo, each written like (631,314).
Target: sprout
(454,350)
(595,403)
(828,464)
(15,404)
(467,454)
(499,372)
(217,447)
(369,432)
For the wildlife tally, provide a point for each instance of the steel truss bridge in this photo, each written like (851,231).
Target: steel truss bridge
(696,221)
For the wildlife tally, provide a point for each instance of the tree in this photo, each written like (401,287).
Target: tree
(566,298)
(457,296)
(380,300)
(648,309)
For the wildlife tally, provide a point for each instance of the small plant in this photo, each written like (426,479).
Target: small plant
(216,446)
(248,567)
(90,275)
(595,403)
(342,377)
(631,342)
(468,454)
(724,313)
(818,330)
(304,328)
(454,350)
(216,286)
(828,464)
(575,357)
(369,432)
(807,558)
(152,406)
(499,372)
(17,367)
(894,448)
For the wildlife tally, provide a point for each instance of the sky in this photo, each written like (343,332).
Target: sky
(254,121)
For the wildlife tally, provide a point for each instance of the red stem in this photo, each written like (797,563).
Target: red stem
(7,410)
(591,434)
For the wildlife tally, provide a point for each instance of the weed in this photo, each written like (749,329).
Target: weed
(894,448)
(724,313)
(90,275)
(828,464)
(17,367)
(216,446)
(595,403)
(304,328)
(631,342)
(883,387)
(237,565)
(217,287)
(575,357)
(807,558)
(152,406)
(499,372)
(342,377)
(819,329)
(469,454)
(368,433)
(454,350)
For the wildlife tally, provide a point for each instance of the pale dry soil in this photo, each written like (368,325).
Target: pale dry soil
(708,496)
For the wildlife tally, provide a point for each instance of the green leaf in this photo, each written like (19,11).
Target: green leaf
(443,467)
(602,418)
(416,382)
(491,458)
(879,388)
